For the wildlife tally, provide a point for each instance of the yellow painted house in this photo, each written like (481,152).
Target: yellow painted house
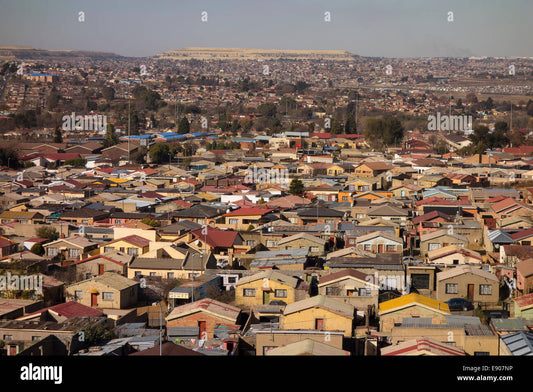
(132,245)
(267,286)
(320,313)
(411,305)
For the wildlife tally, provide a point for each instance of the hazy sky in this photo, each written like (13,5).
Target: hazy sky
(387,28)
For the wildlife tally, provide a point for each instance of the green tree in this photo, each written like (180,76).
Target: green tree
(387,130)
(58,138)
(351,125)
(296,187)
(9,157)
(37,249)
(184,126)
(111,137)
(159,153)
(529,108)
(77,162)
(49,232)
(108,93)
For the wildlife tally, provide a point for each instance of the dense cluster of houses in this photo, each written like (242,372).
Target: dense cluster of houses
(196,259)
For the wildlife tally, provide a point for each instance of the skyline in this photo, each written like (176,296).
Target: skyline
(137,28)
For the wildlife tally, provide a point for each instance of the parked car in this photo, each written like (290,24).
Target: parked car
(460,304)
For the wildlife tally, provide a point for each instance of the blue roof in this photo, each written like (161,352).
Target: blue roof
(38,74)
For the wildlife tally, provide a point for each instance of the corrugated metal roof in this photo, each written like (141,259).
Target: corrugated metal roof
(519,343)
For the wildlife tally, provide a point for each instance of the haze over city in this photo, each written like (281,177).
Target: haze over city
(382,28)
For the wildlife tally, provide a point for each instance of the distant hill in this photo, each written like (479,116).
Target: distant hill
(252,54)
(12,53)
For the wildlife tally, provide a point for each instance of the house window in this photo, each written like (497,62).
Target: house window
(420,281)
(250,242)
(451,288)
(390,248)
(133,251)
(78,294)
(51,252)
(108,249)
(233,221)
(153,274)
(35,338)
(170,275)
(271,243)
(248,292)
(8,337)
(314,249)
(107,296)
(367,247)
(73,253)
(485,289)
(433,246)
(280,293)
(365,292)
(232,279)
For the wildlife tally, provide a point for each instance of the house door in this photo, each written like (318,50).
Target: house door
(12,350)
(100,269)
(470,292)
(266,297)
(94,299)
(202,329)
(380,248)
(319,324)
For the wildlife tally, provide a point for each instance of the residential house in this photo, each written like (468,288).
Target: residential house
(471,282)
(371,169)
(270,285)
(440,239)
(174,262)
(71,248)
(246,218)
(113,261)
(524,276)
(454,255)
(380,242)
(299,342)
(205,315)
(24,217)
(466,333)
(132,245)
(316,245)
(352,286)
(107,291)
(320,313)
(411,305)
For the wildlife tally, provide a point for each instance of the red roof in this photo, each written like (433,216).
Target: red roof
(321,135)
(61,156)
(69,309)
(216,237)
(522,234)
